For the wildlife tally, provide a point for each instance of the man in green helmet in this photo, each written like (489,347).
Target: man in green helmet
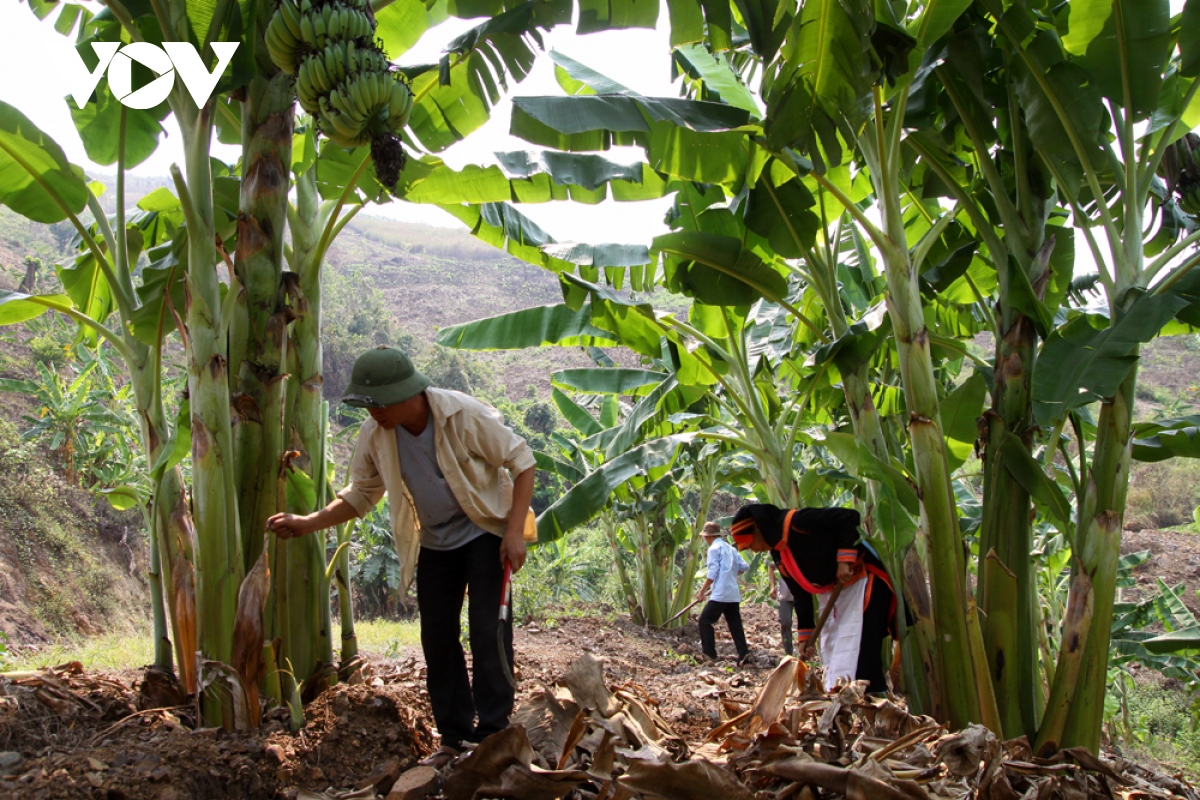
(460,483)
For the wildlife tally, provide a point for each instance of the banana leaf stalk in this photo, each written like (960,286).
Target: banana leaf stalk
(163,659)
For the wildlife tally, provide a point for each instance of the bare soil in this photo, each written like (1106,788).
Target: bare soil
(82,736)
(1175,557)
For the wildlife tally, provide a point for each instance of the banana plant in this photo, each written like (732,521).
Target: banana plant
(1115,68)
(656,546)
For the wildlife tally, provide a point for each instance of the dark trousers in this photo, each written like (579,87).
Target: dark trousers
(875,628)
(443,577)
(733,618)
(785,624)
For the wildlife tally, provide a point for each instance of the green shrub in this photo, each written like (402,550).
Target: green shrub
(561,574)
(48,350)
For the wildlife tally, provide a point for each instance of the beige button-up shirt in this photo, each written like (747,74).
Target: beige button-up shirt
(476,452)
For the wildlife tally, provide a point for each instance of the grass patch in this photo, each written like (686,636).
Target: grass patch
(387,637)
(1164,727)
(1164,494)
(376,637)
(110,651)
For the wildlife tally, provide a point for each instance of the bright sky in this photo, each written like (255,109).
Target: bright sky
(637,58)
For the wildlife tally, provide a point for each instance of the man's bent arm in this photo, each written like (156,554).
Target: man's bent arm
(287,526)
(512,548)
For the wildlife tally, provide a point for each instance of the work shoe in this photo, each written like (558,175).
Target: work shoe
(441,757)
(746,660)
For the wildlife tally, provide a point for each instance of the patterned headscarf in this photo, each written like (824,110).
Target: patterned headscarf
(762,518)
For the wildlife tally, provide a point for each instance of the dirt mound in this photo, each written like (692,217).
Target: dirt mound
(66,734)
(351,730)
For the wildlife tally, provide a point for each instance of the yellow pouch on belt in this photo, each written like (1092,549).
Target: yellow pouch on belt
(530,527)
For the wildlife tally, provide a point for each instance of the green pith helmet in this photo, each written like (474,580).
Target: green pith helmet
(383,376)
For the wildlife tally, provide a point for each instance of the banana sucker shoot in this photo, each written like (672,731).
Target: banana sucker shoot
(343,78)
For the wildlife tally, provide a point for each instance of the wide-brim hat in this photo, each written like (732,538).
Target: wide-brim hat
(383,376)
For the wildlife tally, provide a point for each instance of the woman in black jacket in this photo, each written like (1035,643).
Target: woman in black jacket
(815,549)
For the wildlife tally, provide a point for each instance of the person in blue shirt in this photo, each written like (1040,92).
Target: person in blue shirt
(724,566)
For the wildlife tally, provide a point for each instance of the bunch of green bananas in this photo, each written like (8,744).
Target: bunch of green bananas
(1189,200)
(343,78)
(1180,168)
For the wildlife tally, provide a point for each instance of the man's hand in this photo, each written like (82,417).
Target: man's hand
(512,550)
(845,573)
(512,544)
(701,594)
(288,526)
(774,593)
(807,652)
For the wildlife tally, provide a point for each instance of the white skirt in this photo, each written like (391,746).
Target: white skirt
(842,635)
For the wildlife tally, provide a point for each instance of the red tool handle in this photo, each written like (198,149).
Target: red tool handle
(506,592)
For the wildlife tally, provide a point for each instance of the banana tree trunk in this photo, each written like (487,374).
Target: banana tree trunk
(177,541)
(345,598)
(652,611)
(1098,552)
(171,532)
(306,405)
(956,671)
(219,558)
(163,659)
(1007,589)
(939,511)
(627,587)
(915,657)
(258,329)
(706,480)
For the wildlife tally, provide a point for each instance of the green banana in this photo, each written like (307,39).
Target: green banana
(1189,199)
(291,17)
(281,45)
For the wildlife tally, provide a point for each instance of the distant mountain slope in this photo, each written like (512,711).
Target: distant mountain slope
(434,277)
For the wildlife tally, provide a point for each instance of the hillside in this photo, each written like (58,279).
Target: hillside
(434,277)
(69,564)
